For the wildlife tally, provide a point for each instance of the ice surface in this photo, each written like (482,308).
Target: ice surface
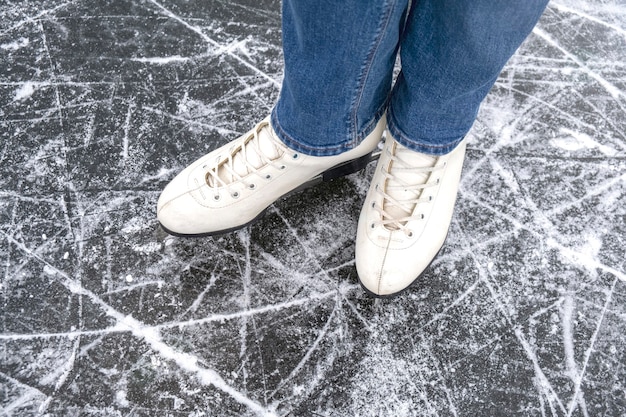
(101,103)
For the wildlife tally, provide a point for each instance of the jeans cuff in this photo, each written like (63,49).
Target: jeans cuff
(431,146)
(326,150)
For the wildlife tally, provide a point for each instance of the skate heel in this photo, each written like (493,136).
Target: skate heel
(341,170)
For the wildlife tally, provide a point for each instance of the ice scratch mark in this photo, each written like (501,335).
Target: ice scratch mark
(541,381)
(219,318)
(602,114)
(152,337)
(574,119)
(52,68)
(56,83)
(162,174)
(580,377)
(584,260)
(90,130)
(67,335)
(570,356)
(198,301)
(23,400)
(220,48)
(67,370)
(366,325)
(575,141)
(186,362)
(161,60)
(582,14)
(610,88)
(244,238)
(543,385)
(457,301)
(248,89)
(32,19)
(221,130)
(127,123)
(159,283)
(251,312)
(610,184)
(320,337)
(543,227)
(442,378)
(418,387)
(310,254)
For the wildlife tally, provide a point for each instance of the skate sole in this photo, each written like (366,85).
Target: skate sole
(338,171)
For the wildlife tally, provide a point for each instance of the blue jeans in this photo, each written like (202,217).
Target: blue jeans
(339,61)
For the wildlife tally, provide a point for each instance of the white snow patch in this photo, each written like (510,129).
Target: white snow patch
(155,361)
(49,270)
(149,247)
(15,45)
(134,225)
(25,91)
(576,141)
(161,60)
(120,398)
(612,200)
(591,246)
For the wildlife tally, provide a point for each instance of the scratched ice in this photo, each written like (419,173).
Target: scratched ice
(101,103)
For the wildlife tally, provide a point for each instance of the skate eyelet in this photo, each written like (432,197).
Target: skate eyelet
(252,186)
(373,225)
(216,197)
(422,217)
(235,194)
(410,234)
(373,204)
(282,167)
(268,177)
(430,198)
(295,156)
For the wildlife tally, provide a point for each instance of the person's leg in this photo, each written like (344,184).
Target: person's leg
(452,52)
(339,58)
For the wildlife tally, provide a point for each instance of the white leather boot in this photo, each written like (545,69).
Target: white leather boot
(232,186)
(406,216)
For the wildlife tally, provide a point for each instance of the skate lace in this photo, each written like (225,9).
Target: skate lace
(244,158)
(405,186)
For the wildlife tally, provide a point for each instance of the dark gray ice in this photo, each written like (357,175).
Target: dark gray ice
(103,314)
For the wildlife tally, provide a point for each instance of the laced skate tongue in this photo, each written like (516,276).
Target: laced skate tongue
(406,173)
(249,152)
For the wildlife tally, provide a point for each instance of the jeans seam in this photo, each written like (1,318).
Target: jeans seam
(363,77)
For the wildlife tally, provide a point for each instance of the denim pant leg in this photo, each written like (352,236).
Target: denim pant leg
(452,52)
(339,58)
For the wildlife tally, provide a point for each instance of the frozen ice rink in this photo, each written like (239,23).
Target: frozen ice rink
(103,314)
